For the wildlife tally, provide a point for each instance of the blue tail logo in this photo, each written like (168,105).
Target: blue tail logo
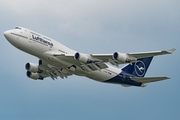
(140,68)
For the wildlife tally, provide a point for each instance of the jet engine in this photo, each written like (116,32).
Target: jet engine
(81,57)
(34,76)
(32,67)
(120,57)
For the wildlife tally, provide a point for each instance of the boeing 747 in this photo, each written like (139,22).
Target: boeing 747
(57,60)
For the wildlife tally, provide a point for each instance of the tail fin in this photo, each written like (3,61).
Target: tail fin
(139,68)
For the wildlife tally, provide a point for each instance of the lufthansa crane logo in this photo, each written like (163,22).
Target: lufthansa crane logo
(140,68)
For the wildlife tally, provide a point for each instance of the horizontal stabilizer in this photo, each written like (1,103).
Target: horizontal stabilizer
(149,79)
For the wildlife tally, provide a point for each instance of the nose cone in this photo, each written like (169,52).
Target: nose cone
(10,38)
(7,34)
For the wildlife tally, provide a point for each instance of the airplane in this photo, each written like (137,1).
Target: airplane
(57,60)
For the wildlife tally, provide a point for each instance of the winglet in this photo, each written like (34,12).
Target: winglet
(171,51)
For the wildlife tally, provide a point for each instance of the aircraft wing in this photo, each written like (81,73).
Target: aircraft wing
(149,54)
(53,70)
(102,57)
(114,59)
(69,60)
(121,58)
(149,79)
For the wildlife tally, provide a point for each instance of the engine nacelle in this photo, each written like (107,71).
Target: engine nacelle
(34,76)
(120,57)
(81,57)
(32,67)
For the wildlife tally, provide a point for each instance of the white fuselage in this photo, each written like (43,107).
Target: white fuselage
(38,45)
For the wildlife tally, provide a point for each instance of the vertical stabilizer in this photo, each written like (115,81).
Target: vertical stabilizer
(138,68)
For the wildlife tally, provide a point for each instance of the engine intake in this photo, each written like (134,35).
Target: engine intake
(32,67)
(120,57)
(81,57)
(34,76)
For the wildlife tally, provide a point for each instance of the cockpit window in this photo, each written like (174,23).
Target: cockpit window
(17,28)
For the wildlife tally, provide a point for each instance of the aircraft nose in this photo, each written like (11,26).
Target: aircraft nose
(9,37)
(7,33)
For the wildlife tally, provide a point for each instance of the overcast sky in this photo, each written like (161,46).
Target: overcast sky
(92,26)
